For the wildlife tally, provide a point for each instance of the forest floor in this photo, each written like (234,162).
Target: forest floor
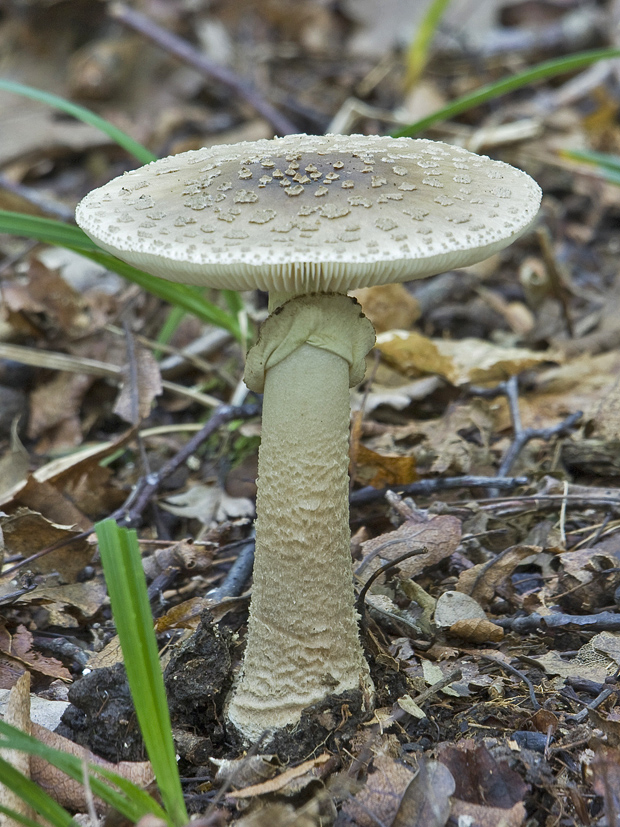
(485,438)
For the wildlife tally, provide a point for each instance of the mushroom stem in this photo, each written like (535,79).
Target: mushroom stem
(303,641)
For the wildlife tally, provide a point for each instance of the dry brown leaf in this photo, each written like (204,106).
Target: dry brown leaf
(447,442)
(141,384)
(17,714)
(379,470)
(426,801)
(477,630)
(185,615)
(604,772)
(55,411)
(67,606)
(17,648)
(480,779)
(56,307)
(482,581)
(461,362)
(289,782)
(26,533)
(438,536)
(71,793)
(379,799)
(388,306)
(453,606)
(248,771)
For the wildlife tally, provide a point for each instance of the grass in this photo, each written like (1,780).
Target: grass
(124,575)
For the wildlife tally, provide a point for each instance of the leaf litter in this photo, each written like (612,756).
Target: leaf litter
(490,613)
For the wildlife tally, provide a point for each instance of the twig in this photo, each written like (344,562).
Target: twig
(517,673)
(232,585)
(602,622)
(185,52)
(600,698)
(546,434)
(423,487)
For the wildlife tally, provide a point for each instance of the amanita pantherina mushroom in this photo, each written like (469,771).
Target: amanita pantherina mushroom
(307,219)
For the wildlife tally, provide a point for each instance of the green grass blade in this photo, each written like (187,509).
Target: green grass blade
(548,69)
(417,56)
(122,566)
(82,114)
(189,299)
(34,796)
(132,802)
(45,230)
(27,822)
(608,166)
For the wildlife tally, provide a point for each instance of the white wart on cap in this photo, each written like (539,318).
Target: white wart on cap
(311,213)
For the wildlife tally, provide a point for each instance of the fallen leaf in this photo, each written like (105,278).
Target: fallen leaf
(26,533)
(480,779)
(289,782)
(140,385)
(379,799)
(71,794)
(208,503)
(18,648)
(477,630)
(453,606)
(379,470)
(482,581)
(460,362)
(388,306)
(437,538)
(426,801)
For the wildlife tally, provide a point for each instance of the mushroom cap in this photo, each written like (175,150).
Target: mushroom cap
(311,213)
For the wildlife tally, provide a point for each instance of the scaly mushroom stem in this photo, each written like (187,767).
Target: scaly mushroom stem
(303,641)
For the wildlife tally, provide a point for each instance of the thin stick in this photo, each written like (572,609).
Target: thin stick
(182,50)
(424,487)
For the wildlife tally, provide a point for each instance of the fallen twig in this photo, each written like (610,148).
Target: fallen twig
(517,673)
(181,49)
(423,487)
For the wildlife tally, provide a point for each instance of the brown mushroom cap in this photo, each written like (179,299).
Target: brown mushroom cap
(311,213)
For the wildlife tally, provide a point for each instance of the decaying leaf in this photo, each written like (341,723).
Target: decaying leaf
(436,537)
(454,606)
(26,533)
(381,796)
(248,771)
(64,790)
(588,664)
(141,384)
(481,581)
(369,467)
(388,306)
(17,655)
(427,800)
(482,781)
(207,503)
(290,781)
(467,361)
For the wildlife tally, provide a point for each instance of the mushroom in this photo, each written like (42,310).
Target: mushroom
(307,218)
